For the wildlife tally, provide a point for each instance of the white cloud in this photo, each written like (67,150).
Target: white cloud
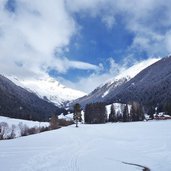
(148,20)
(64,64)
(31,36)
(144,19)
(82,65)
(38,29)
(130,67)
(89,83)
(109,21)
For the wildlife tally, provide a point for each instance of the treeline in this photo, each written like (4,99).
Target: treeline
(166,108)
(27,112)
(96,113)
(16,102)
(14,131)
(10,132)
(41,117)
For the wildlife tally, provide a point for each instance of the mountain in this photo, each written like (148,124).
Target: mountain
(108,90)
(151,87)
(19,103)
(49,89)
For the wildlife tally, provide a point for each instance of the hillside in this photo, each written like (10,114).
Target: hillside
(107,91)
(152,86)
(91,147)
(19,103)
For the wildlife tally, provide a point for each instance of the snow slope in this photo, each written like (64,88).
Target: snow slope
(132,71)
(30,124)
(129,73)
(135,69)
(105,91)
(48,88)
(91,147)
(16,124)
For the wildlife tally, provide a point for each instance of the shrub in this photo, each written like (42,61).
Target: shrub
(63,122)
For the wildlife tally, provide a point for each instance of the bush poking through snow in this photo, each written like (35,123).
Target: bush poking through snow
(21,129)
(3,130)
(64,122)
(54,122)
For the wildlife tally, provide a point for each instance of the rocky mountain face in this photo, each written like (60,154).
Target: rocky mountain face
(19,103)
(100,93)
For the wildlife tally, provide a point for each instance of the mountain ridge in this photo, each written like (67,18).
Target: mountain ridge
(101,93)
(151,86)
(49,89)
(17,102)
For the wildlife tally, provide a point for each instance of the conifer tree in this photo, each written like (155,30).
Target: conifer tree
(125,114)
(95,113)
(133,112)
(140,112)
(136,112)
(77,113)
(151,112)
(167,108)
(112,115)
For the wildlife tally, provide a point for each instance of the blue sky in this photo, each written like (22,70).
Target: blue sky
(81,41)
(96,43)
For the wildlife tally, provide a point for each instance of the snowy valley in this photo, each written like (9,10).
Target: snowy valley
(92,147)
(121,143)
(85,85)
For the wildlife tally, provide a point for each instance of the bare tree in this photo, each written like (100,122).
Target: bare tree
(13,131)
(4,128)
(54,122)
(23,129)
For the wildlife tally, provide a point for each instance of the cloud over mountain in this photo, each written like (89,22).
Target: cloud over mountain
(34,36)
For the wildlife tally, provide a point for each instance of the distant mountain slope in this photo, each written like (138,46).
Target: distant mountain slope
(106,91)
(19,103)
(151,86)
(49,89)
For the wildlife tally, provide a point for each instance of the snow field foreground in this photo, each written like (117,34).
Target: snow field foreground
(100,147)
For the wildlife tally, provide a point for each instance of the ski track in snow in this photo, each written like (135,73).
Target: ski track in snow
(48,159)
(91,147)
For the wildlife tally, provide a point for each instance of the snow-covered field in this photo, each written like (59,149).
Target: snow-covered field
(12,121)
(102,147)
(16,125)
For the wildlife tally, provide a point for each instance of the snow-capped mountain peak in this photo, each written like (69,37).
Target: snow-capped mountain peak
(132,71)
(48,88)
(105,90)
(135,69)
